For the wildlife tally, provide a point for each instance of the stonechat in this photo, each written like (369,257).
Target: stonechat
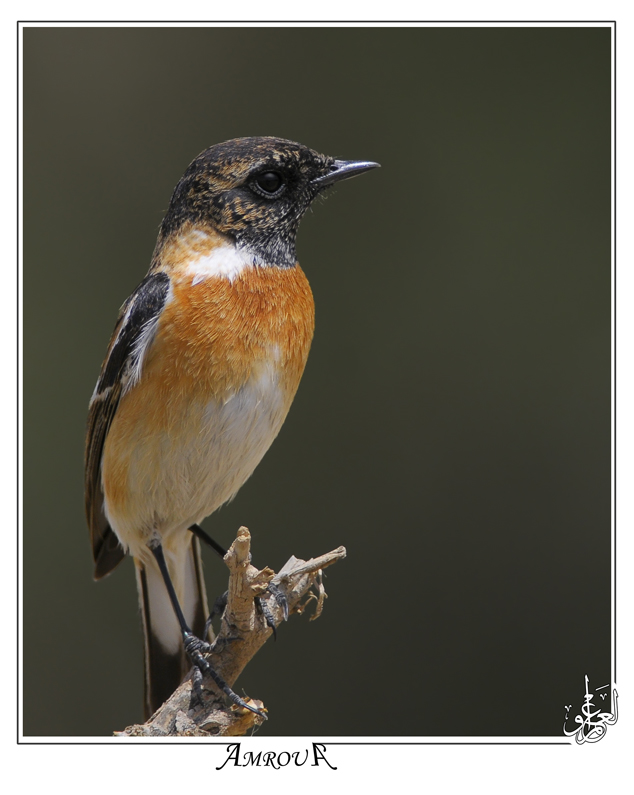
(199,375)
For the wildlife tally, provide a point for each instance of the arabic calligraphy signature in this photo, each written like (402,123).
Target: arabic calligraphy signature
(592,723)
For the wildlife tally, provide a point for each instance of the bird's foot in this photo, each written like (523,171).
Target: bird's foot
(194,645)
(265,610)
(195,648)
(262,607)
(279,598)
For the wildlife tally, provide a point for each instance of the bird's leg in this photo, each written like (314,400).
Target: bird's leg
(197,530)
(217,610)
(219,604)
(221,601)
(195,647)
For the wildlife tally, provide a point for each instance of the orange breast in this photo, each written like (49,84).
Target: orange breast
(213,334)
(215,339)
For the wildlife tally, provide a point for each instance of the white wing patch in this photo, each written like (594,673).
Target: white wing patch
(144,340)
(133,372)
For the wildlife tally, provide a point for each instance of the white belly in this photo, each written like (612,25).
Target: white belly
(178,478)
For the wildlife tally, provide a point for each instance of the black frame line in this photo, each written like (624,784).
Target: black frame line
(614,327)
(319,21)
(20,24)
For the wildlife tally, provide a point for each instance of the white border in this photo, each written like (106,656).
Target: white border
(451,768)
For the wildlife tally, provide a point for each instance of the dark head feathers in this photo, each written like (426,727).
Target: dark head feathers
(255,191)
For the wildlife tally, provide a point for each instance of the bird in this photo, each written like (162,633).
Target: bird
(202,367)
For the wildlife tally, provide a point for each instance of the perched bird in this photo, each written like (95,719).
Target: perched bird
(201,370)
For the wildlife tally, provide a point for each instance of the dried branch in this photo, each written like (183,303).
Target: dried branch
(243,631)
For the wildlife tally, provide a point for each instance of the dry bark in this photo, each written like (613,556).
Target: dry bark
(243,631)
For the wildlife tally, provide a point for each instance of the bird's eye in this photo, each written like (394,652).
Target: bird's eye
(269,184)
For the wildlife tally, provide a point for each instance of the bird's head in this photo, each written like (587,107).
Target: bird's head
(255,191)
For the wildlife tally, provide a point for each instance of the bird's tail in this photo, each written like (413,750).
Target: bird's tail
(166,663)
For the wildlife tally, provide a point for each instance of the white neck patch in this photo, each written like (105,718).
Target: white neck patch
(226,261)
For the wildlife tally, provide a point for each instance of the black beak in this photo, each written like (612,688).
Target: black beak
(344,169)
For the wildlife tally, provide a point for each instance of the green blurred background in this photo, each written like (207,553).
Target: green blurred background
(452,429)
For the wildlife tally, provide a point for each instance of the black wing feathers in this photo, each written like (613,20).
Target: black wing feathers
(137,314)
(144,305)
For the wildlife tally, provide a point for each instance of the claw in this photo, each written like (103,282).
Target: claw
(263,608)
(279,598)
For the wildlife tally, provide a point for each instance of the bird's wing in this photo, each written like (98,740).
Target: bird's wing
(132,336)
